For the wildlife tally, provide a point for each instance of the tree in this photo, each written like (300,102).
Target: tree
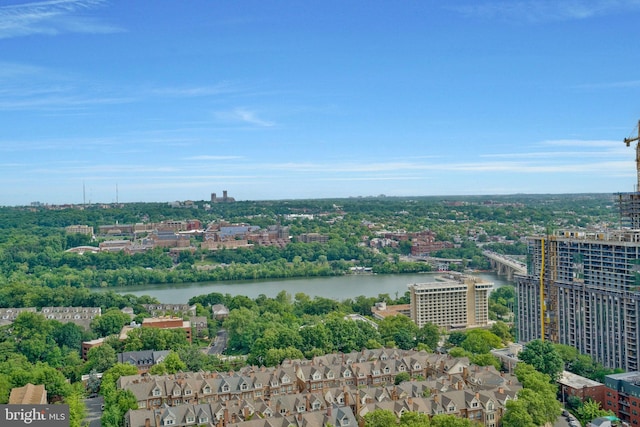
(401,377)
(414,419)
(450,421)
(543,357)
(380,418)
(517,415)
(174,363)
(111,322)
(101,358)
(479,341)
(589,410)
(429,334)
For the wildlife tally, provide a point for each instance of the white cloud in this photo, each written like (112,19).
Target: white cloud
(50,18)
(244,116)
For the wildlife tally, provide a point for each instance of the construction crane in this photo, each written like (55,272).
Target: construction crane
(629,141)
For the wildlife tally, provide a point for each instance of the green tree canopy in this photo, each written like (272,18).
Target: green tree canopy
(543,356)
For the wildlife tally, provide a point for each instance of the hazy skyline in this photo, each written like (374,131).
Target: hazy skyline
(311,99)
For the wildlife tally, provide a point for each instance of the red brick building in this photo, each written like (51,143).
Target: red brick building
(168,323)
(622,396)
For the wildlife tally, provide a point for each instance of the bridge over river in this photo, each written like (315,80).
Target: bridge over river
(505,266)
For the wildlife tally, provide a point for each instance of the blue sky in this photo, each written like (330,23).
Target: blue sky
(282,99)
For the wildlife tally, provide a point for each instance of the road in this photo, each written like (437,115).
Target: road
(94,411)
(219,344)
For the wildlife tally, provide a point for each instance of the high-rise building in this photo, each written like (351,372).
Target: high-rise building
(582,289)
(451,301)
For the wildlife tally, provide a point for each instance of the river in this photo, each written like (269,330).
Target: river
(336,287)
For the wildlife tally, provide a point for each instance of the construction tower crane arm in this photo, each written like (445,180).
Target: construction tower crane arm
(629,141)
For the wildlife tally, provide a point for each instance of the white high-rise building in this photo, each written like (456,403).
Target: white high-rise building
(451,301)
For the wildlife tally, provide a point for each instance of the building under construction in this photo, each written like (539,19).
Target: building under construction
(583,288)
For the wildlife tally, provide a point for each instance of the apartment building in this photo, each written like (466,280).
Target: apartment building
(622,396)
(451,301)
(582,290)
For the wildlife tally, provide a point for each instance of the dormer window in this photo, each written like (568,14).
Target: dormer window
(316,405)
(330,375)
(176,392)
(386,370)
(316,376)
(191,419)
(401,368)
(301,408)
(225,387)
(451,408)
(285,380)
(203,419)
(156,392)
(344,421)
(474,404)
(417,366)
(490,406)
(206,389)
(187,392)
(347,374)
(244,386)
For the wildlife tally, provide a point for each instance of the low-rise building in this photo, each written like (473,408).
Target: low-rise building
(81,316)
(30,394)
(305,390)
(581,387)
(8,315)
(143,359)
(168,323)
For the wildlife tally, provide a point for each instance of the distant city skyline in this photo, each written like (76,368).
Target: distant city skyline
(281,100)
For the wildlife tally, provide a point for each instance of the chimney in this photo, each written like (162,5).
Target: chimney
(329,410)
(477,395)
(147,422)
(500,390)
(436,398)
(226,414)
(345,391)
